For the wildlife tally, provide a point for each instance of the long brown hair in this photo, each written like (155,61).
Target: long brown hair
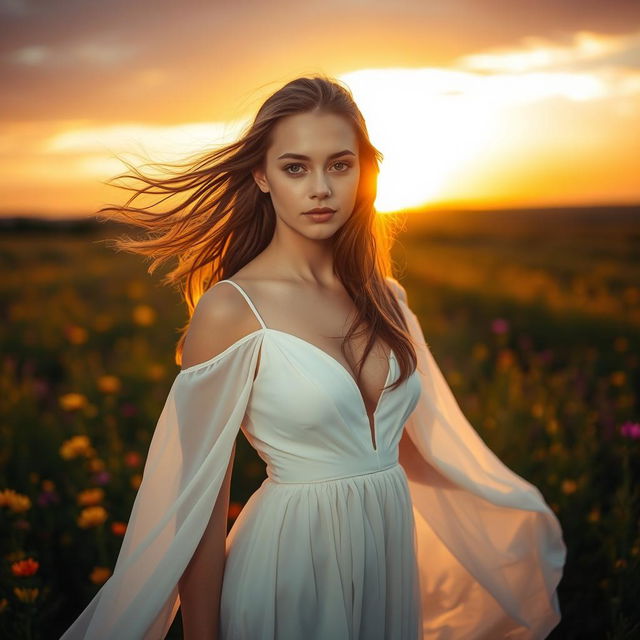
(225,220)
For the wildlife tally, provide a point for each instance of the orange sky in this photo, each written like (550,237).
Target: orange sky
(480,103)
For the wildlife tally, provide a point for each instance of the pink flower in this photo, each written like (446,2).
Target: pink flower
(545,356)
(101,478)
(48,497)
(499,325)
(631,430)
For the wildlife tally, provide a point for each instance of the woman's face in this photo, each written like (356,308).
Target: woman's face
(313,162)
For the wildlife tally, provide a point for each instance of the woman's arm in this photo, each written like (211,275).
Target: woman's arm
(220,318)
(201,584)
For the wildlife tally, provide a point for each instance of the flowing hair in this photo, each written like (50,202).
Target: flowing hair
(224,220)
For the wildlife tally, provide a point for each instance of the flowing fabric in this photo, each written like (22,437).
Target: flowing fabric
(490,550)
(425,535)
(184,470)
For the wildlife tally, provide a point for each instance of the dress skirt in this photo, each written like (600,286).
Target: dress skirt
(330,559)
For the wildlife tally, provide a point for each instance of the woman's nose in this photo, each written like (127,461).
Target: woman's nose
(321,186)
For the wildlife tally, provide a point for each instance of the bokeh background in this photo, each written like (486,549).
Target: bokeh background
(511,141)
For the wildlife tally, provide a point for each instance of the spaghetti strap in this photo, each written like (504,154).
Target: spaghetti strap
(248,299)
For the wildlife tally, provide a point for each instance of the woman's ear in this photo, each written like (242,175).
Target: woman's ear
(261,179)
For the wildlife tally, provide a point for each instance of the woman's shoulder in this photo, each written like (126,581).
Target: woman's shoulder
(220,319)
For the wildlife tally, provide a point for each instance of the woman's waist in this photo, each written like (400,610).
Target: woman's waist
(315,471)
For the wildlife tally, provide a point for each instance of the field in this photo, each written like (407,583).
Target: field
(533,316)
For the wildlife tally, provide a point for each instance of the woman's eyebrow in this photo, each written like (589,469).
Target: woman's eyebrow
(299,156)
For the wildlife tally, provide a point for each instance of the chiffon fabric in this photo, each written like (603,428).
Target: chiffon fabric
(423,533)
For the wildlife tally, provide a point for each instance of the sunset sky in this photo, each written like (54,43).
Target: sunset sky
(482,103)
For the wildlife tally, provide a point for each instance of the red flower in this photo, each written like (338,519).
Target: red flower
(24,568)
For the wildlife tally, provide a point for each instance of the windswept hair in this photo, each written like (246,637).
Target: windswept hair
(224,220)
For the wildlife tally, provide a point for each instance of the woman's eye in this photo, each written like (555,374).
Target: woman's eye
(295,173)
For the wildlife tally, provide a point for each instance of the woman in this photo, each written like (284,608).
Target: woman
(383,515)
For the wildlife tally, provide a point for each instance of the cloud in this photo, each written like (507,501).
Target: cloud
(98,54)
(586,47)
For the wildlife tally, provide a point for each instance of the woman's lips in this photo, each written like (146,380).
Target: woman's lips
(320,217)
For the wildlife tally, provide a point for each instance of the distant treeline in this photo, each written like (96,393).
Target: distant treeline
(24,224)
(428,218)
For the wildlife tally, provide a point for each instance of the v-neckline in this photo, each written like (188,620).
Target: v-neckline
(373,436)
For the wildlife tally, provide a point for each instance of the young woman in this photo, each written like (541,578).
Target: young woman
(383,514)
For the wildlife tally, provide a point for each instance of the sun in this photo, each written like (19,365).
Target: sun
(426,126)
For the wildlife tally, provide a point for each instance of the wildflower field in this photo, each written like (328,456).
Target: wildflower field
(534,318)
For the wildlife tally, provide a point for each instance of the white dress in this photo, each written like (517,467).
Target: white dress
(431,538)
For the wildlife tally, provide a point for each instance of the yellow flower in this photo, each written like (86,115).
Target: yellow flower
(136,480)
(618,378)
(72,401)
(109,384)
(568,486)
(143,315)
(594,515)
(92,517)
(156,372)
(76,334)
(4,603)
(76,446)
(537,410)
(480,352)
(15,556)
(506,359)
(17,502)
(96,464)
(48,485)
(90,497)
(99,575)
(25,594)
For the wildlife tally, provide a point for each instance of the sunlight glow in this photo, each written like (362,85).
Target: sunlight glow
(423,125)
(527,123)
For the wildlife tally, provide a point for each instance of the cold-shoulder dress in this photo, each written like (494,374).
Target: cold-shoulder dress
(356,533)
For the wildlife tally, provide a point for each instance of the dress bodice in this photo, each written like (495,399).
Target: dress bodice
(306,417)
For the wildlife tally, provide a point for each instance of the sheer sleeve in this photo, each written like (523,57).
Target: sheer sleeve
(490,550)
(185,467)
